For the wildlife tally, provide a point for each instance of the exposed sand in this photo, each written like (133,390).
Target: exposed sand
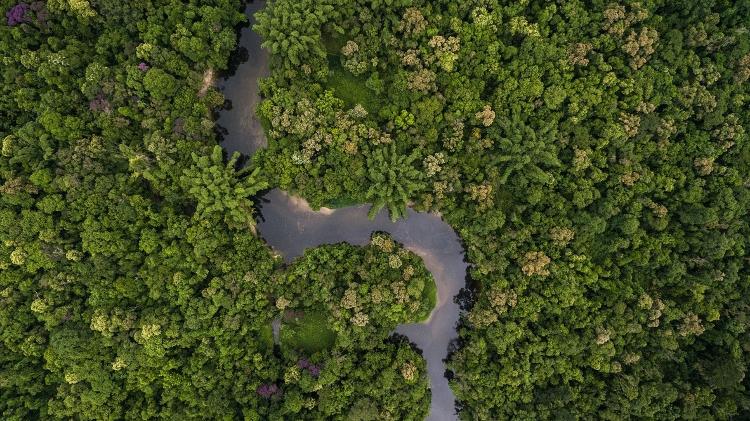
(208,81)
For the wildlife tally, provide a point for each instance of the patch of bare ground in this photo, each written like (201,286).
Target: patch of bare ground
(208,81)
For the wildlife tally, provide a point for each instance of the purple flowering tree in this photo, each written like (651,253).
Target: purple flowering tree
(17,14)
(311,368)
(25,12)
(100,103)
(268,390)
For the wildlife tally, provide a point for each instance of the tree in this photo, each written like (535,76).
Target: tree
(220,191)
(394,180)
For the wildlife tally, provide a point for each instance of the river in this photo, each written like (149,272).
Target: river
(290,226)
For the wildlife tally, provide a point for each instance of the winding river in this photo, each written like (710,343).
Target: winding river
(290,226)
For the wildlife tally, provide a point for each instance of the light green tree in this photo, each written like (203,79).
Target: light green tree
(394,180)
(220,190)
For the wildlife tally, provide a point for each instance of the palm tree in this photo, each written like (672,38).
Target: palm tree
(219,189)
(524,152)
(393,180)
(291,29)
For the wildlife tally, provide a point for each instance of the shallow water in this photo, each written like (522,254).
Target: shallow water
(290,226)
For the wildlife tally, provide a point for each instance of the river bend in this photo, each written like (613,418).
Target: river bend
(290,226)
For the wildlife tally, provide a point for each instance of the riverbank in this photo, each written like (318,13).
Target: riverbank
(290,225)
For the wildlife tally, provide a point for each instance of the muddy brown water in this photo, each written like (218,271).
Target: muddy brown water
(290,226)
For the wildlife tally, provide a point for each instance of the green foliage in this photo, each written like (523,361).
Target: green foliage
(159,83)
(593,157)
(389,381)
(301,43)
(364,291)
(131,282)
(393,180)
(219,191)
(351,89)
(338,305)
(308,333)
(594,160)
(120,299)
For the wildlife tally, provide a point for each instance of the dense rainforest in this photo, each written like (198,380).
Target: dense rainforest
(132,284)
(593,156)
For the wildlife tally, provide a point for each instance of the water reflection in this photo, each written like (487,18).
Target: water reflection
(241,131)
(290,226)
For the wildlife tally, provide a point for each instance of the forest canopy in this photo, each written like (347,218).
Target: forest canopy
(132,284)
(592,155)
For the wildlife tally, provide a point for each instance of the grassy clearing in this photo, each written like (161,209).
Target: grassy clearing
(351,89)
(266,337)
(309,333)
(342,202)
(429,295)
